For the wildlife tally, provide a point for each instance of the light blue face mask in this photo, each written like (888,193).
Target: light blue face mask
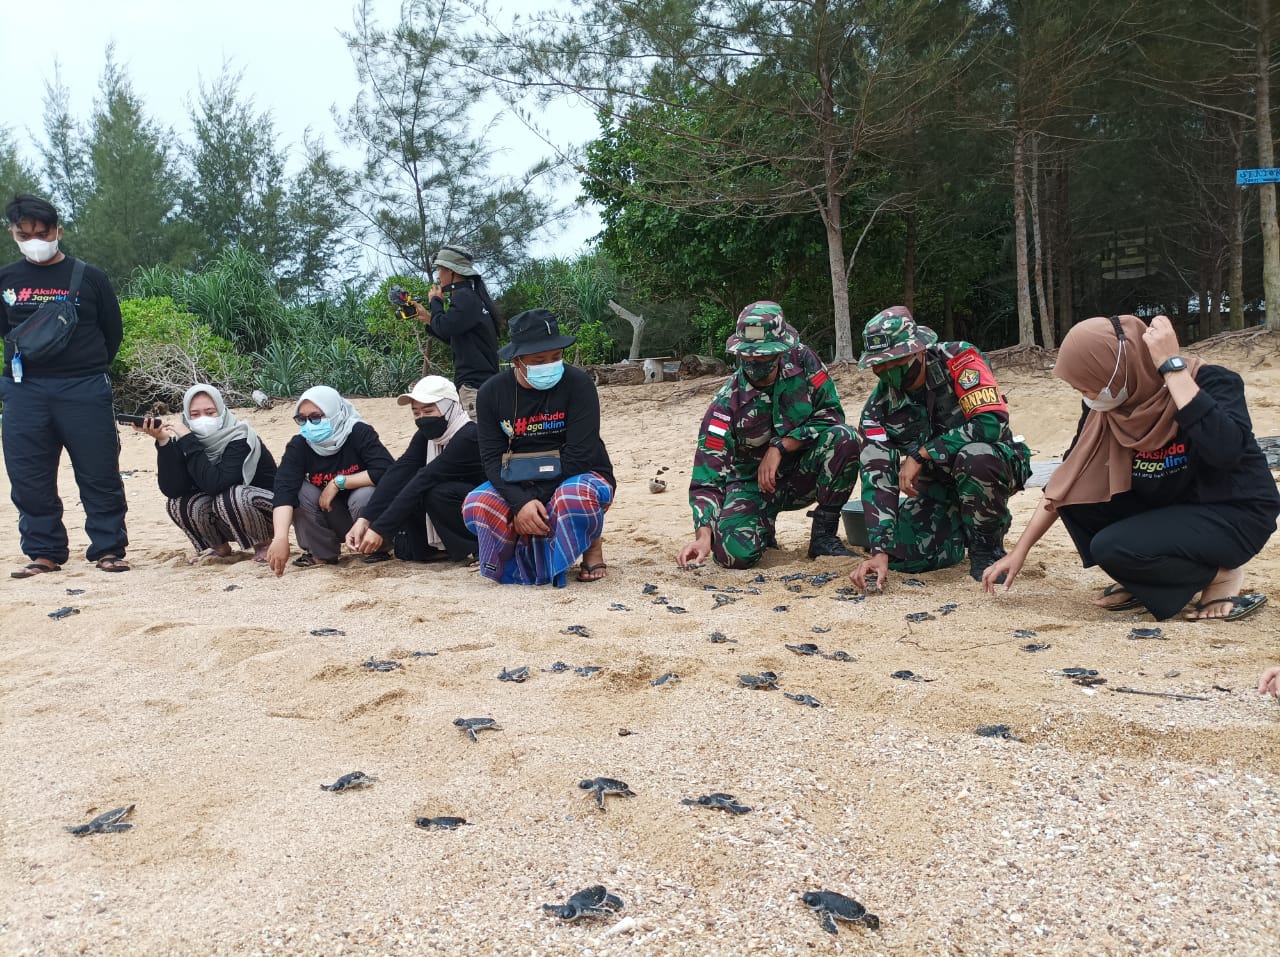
(316,431)
(545,375)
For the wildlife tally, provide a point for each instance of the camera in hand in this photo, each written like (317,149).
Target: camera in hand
(404,304)
(141,421)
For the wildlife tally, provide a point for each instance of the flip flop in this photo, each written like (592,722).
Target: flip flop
(587,573)
(1118,589)
(34,569)
(373,558)
(1241,606)
(307,560)
(111,563)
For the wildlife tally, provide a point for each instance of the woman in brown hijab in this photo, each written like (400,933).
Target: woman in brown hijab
(1164,486)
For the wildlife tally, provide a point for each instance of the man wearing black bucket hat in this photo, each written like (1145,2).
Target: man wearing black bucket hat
(549,476)
(937,431)
(462,315)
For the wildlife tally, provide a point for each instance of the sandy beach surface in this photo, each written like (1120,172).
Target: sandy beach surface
(1119,824)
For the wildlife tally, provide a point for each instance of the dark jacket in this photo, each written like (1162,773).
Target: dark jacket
(24,287)
(363,451)
(401,489)
(183,468)
(465,323)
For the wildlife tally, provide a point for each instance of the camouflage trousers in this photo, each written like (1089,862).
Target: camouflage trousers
(966,496)
(825,473)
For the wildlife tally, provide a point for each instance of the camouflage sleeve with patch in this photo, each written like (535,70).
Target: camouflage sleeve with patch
(986,414)
(878,472)
(712,462)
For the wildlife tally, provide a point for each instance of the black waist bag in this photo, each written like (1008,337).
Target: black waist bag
(46,332)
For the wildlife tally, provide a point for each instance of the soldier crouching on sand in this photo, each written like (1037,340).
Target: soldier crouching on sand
(936,429)
(774,439)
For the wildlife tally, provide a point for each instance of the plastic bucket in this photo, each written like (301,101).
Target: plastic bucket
(855,523)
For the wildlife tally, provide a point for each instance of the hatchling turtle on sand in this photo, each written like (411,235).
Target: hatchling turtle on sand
(997,731)
(108,822)
(586,671)
(718,638)
(919,616)
(649,589)
(558,667)
(592,901)
(350,782)
(79,591)
(669,678)
(719,801)
(579,630)
(65,612)
(472,725)
(379,664)
(327,632)
(440,823)
(618,606)
(819,630)
(765,681)
(805,699)
(804,648)
(602,786)
(840,656)
(831,906)
(514,674)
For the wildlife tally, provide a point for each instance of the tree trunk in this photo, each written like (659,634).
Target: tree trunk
(1026,327)
(1266,159)
(839,280)
(909,260)
(637,329)
(1043,305)
(1062,253)
(1235,281)
(1215,311)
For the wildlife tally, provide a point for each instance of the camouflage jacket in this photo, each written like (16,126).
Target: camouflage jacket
(959,404)
(801,404)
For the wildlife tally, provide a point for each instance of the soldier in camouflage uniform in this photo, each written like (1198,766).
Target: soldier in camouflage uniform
(937,429)
(773,439)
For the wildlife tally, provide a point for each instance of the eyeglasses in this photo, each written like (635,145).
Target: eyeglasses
(315,418)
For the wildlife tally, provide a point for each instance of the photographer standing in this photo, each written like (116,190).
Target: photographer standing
(463,316)
(62,399)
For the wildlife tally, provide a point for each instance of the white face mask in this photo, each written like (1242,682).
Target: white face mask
(206,424)
(1106,402)
(38,250)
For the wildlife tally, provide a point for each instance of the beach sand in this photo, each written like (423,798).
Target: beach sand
(1120,824)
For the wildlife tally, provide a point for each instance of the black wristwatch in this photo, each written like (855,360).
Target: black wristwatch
(777,443)
(1172,364)
(917,455)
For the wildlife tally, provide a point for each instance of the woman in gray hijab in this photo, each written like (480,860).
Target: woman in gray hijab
(216,475)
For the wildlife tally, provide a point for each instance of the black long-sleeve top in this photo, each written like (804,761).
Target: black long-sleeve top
(565,418)
(469,329)
(99,328)
(399,492)
(1212,458)
(183,467)
(363,451)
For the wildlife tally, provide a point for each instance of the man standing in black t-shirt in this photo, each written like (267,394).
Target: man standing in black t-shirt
(63,401)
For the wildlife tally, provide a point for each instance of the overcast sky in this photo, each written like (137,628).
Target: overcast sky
(294,65)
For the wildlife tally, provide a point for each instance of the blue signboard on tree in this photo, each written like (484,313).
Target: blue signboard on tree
(1251,177)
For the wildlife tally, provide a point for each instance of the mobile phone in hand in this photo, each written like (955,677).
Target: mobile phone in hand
(141,421)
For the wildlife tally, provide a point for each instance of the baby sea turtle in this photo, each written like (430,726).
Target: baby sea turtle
(327,632)
(350,782)
(558,667)
(831,906)
(804,648)
(719,801)
(913,582)
(722,599)
(905,675)
(76,591)
(65,611)
(765,681)
(618,606)
(108,822)
(817,581)
(440,823)
(718,638)
(592,901)
(649,589)
(661,600)
(514,674)
(779,607)
(380,664)
(669,678)
(472,725)
(805,699)
(1032,646)
(1076,672)
(1136,633)
(1025,633)
(602,786)
(797,588)
(920,616)
(819,630)
(231,588)
(586,671)
(840,656)
(424,654)
(997,731)
(947,609)
(579,630)
(675,609)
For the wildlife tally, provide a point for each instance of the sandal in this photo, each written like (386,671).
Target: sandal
(111,563)
(307,560)
(592,573)
(1241,605)
(35,568)
(373,558)
(1118,589)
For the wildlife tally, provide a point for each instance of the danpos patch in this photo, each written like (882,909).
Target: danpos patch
(975,386)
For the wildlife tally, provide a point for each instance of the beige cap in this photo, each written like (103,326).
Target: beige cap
(429,391)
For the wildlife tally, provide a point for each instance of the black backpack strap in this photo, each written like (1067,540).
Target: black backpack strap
(77,277)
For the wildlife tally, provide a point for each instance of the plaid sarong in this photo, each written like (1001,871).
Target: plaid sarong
(575,514)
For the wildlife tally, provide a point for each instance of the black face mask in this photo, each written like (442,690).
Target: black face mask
(758,373)
(432,426)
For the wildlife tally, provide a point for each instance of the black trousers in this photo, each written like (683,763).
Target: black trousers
(442,503)
(1164,556)
(42,417)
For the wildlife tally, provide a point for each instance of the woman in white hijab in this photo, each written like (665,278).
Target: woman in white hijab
(418,503)
(216,475)
(326,477)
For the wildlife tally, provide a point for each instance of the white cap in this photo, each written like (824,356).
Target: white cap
(429,391)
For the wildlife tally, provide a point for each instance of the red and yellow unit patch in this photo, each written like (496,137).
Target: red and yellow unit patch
(975,385)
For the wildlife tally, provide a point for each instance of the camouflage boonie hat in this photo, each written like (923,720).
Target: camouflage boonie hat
(893,334)
(761,331)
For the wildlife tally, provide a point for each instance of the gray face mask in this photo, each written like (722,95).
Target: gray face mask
(1106,401)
